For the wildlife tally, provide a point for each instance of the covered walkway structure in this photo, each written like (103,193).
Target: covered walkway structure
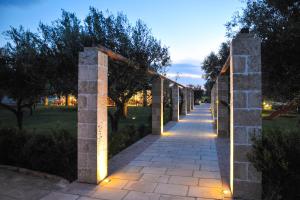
(181,163)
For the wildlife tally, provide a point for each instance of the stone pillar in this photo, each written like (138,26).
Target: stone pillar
(213,103)
(175,102)
(188,92)
(92,116)
(245,114)
(184,104)
(157,106)
(222,106)
(192,99)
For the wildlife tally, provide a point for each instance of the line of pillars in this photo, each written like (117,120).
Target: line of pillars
(157,104)
(92,113)
(236,107)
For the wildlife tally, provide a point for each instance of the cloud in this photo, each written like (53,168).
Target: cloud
(17,3)
(184,75)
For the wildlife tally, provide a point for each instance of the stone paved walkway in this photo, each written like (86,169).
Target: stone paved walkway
(182,164)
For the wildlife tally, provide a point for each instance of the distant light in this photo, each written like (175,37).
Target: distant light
(226,192)
(267,106)
(106,180)
(133,117)
(166,134)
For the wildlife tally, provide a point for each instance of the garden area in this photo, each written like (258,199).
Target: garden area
(48,140)
(42,64)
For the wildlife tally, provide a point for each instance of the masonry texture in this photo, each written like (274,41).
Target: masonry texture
(184,103)
(213,105)
(188,100)
(222,84)
(245,112)
(175,103)
(92,116)
(192,99)
(157,106)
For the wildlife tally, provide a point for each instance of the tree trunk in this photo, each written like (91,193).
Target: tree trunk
(114,121)
(19,115)
(31,110)
(144,98)
(125,110)
(66,101)
(122,109)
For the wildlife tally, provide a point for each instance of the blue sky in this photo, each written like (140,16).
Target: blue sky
(190,28)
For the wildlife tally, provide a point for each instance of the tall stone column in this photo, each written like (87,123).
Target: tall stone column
(175,103)
(188,91)
(92,116)
(213,103)
(192,99)
(157,106)
(222,106)
(245,113)
(184,104)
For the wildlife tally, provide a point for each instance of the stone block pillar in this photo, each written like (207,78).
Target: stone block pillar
(175,103)
(245,114)
(184,104)
(157,106)
(188,92)
(192,99)
(222,106)
(92,116)
(213,103)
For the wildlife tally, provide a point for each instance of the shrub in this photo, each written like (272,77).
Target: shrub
(277,155)
(54,153)
(125,137)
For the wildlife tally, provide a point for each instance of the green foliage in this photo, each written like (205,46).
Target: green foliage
(198,93)
(54,153)
(47,63)
(125,137)
(63,41)
(277,24)
(277,155)
(213,64)
(22,75)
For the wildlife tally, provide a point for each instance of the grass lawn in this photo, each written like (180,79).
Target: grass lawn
(46,118)
(285,122)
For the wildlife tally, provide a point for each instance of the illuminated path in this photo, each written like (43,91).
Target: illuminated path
(180,165)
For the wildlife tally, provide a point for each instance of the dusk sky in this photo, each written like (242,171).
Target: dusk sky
(190,28)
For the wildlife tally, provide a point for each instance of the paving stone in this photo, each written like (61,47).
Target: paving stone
(114,183)
(131,169)
(216,183)
(155,178)
(140,186)
(179,172)
(87,198)
(126,176)
(109,193)
(183,180)
(207,174)
(172,189)
(188,166)
(172,197)
(205,192)
(81,189)
(140,163)
(60,196)
(133,195)
(143,158)
(154,170)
